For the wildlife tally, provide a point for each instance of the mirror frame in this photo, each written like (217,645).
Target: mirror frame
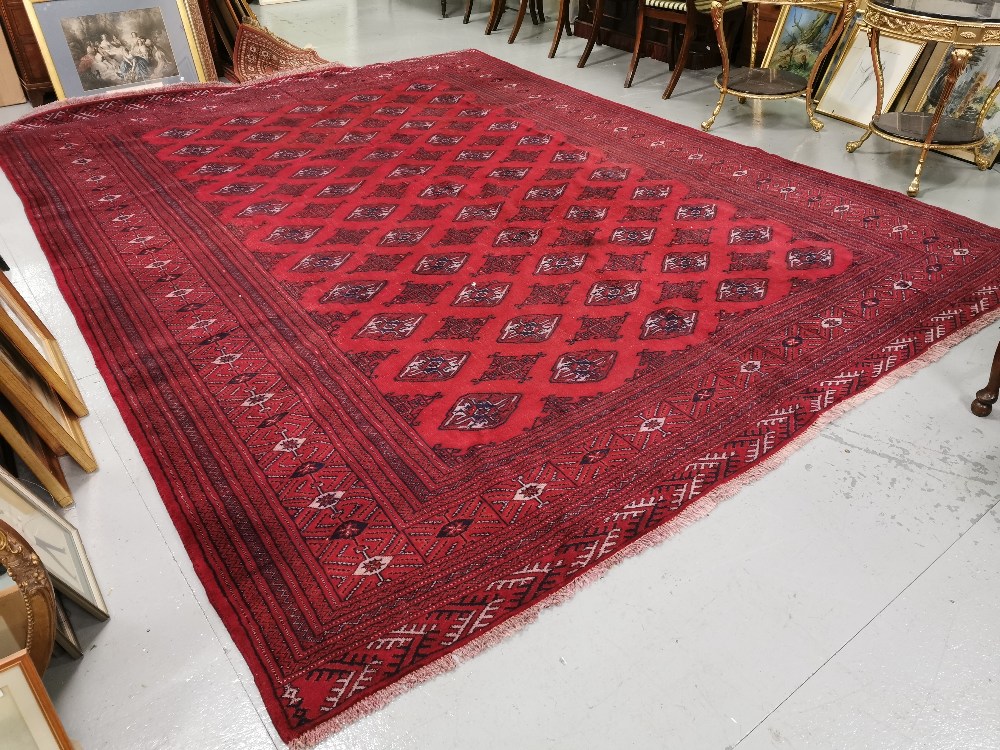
(26,570)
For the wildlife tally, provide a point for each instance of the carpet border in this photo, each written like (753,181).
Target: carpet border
(701,508)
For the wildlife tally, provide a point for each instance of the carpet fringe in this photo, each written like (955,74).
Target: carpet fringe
(700,508)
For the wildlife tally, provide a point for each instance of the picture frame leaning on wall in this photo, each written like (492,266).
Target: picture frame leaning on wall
(106,46)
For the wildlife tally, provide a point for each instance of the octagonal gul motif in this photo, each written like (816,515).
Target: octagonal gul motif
(433,365)
(481,411)
(587,366)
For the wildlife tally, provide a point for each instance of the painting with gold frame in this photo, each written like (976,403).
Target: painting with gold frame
(799,35)
(102,46)
(42,408)
(971,90)
(26,712)
(848,87)
(56,542)
(33,341)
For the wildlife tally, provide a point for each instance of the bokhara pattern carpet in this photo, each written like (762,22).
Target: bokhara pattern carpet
(411,348)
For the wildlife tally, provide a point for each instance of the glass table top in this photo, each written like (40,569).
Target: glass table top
(956,10)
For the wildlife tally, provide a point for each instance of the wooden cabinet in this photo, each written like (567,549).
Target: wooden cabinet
(27,54)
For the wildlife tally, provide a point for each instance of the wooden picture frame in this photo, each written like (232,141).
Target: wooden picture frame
(31,338)
(799,35)
(42,408)
(848,86)
(35,454)
(33,606)
(29,718)
(971,89)
(102,46)
(56,542)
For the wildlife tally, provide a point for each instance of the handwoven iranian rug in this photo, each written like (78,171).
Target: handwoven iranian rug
(413,349)
(257,53)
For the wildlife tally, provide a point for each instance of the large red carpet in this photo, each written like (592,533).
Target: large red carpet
(413,347)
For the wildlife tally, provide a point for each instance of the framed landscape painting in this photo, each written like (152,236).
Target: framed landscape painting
(97,47)
(799,36)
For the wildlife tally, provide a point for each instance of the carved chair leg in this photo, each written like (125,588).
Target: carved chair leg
(681,60)
(640,20)
(520,19)
(595,33)
(985,398)
(563,20)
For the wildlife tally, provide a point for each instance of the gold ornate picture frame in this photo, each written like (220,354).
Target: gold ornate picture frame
(104,46)
(31,605)
(31,338)
(798,37)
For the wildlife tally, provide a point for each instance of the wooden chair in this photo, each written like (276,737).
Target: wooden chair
(985,398)
(677,13)
(497,8)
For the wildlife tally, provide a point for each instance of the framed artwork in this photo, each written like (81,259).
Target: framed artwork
(799,35)
(56,542)
(849,83)
(971,90)
(36,455)
(100,46)
(27,715)
(42,408)
(32,340)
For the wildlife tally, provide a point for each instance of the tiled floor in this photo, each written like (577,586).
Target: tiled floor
(848,600)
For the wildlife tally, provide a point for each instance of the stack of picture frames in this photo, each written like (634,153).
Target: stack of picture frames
(913,73)
(60,550)
(40,403)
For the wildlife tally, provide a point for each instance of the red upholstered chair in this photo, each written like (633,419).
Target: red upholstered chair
(677,13)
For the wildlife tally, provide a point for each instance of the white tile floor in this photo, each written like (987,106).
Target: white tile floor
(849,600)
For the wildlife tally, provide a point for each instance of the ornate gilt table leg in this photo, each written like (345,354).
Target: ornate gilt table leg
(985,398)
(846,11)
(987,105)
(754,23)
(959,59)
(717,13)
(879,90)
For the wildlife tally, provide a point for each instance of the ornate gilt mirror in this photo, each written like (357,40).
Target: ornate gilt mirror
(27,602)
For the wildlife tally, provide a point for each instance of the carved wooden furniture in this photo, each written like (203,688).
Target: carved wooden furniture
(27,55)
(985,398)
(678,13)
(932,21)
(499,6)
(765,83)
(562,22)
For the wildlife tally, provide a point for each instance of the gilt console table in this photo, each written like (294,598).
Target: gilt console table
(963,25)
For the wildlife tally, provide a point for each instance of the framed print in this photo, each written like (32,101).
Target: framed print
(100,46)
(32,340)
(800,34)
(849,84)
(36,455)
(27,716)
(970,93)
(42,409)
(57,543)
